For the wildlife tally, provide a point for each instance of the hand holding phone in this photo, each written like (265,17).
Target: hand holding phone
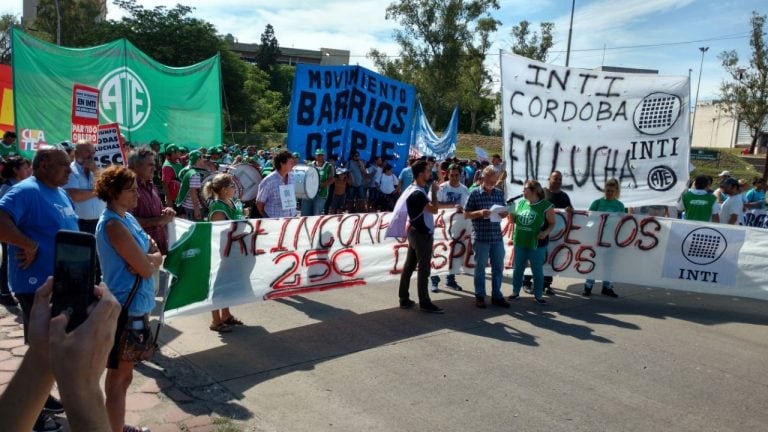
(73,276)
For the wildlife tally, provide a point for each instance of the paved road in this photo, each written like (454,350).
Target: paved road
(350,360)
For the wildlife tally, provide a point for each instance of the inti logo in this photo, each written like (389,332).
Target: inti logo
(124,99)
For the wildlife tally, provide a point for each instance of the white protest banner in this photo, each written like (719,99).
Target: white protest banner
(593,126)
(110,148)
(229,263)
(85,113)
(755,218)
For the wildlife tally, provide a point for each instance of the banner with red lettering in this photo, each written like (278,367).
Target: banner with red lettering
(592,126)
(85,113)
(229,263)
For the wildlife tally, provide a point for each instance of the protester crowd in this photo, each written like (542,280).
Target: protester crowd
(128,210)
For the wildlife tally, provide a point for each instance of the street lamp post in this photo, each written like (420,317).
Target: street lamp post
(58,21)
(696,103)
(570,33)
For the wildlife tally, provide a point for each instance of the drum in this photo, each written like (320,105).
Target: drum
(247,179)
(307,181)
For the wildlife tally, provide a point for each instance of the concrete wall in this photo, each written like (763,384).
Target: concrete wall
(713,127)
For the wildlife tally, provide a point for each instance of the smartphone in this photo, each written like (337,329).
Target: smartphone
(73,275)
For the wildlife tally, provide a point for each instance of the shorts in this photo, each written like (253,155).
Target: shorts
(355,192)
(337,202)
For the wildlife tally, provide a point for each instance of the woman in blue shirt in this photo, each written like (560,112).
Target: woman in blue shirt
(125,252)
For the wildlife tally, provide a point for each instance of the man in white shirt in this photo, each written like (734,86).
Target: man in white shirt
(79,187)
(452,194)
(732,209)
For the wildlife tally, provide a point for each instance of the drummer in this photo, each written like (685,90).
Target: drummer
(277,192)
(316,205)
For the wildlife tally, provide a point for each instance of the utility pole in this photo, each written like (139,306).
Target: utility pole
(696,103)
(58,21)
(570,33)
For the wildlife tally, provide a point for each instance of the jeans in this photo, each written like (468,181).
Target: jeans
(536,257)
(482,251)
(591,282)
(313,207)
(419,252)
(4,287)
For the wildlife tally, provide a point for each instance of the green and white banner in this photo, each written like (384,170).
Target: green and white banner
(148,100)
(229,263)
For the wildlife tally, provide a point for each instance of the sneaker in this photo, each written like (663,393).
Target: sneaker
(480,302)
(454,286)
(53,406)
(8,300)
(431,308)
(514,297)
(549,291)
(129,428)
(609,292)
(46,424)
(528,289)
(407,304)
(500,302)
(540,300)
(435,283)
(587,292)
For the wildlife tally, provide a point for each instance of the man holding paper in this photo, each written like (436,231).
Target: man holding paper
(485,208)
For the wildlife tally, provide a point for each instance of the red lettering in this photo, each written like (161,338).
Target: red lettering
(601,230)
(656,228)
(279,247)
(632,234)
(582,259)
(572,226)
(558,264)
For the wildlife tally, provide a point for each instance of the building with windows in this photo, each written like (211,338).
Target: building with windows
(292,56)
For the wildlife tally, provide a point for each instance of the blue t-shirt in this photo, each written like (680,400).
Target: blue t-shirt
(118,278)
(406,177)
(756,195)
(39,212)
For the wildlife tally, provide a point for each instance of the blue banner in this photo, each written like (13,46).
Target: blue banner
(343,109)
(427,143)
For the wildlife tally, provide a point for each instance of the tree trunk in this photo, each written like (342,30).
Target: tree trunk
(473,121)
(754,142)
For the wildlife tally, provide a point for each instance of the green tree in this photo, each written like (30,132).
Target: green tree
(269,112)
(269,50)
(745,93)
(531,44)
(438,39)
(77,19)
(7,22)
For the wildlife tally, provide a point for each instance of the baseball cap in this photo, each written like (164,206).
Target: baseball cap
(170,148)
(725,173)
(214,150)
(194,156)
(296,155)
(319,152)
(729,182)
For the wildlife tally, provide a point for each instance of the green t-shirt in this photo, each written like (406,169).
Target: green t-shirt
(8,150)
(326,172)
(608,206)
(233,213)
(529,218)
(698,207)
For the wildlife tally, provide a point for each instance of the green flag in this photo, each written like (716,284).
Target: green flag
(150,101)
(190,257)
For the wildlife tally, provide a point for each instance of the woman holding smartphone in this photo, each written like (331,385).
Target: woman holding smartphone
(125,252)
(223,206)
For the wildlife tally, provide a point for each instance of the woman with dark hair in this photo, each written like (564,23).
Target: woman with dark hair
(220,192)
(15,169)
(126,253)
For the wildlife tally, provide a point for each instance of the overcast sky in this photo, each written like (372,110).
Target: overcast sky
(650,34)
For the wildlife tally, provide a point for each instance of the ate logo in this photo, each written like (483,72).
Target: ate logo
(525,218)
(124,99)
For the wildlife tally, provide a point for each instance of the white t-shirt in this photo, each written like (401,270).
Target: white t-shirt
(448,194)
(388,183)
(733,205)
